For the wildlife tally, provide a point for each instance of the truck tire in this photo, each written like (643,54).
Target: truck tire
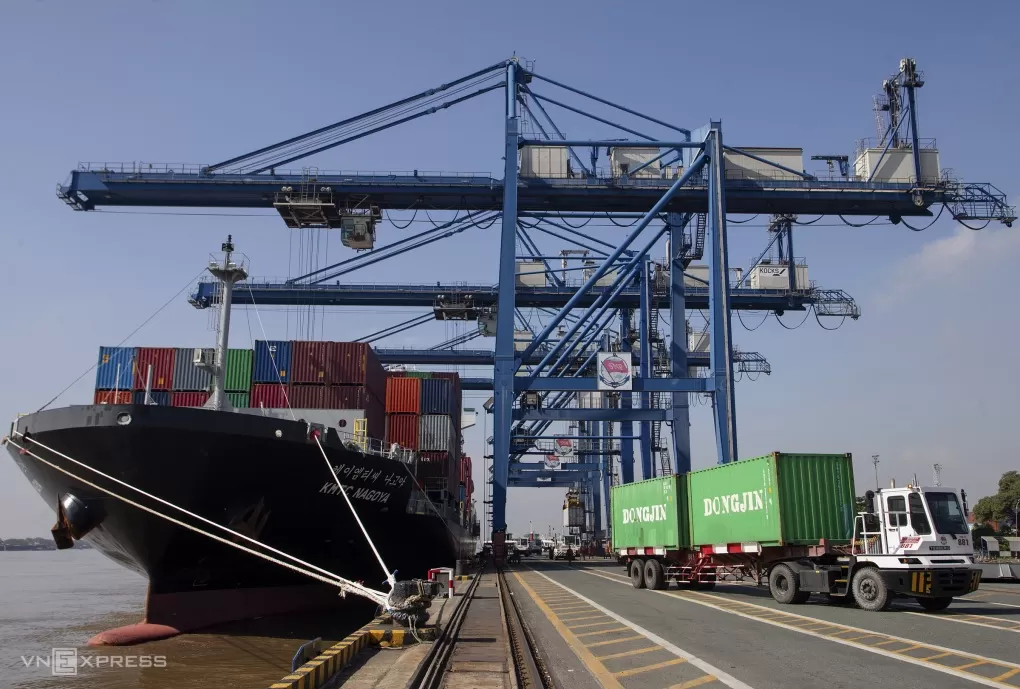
(870,590)
(637,573)
(934,604)
(784,585)
(655,578)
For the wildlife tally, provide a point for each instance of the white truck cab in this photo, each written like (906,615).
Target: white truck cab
(916,540)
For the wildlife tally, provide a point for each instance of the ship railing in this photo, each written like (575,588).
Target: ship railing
(372,446)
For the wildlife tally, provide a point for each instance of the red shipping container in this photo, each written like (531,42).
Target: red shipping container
(162,361)
(310,397)
(268,395)
(356,397)
(376,417)
(332,397)
(403,395)
(465,468)
(433,465)
(355,363)
(309,362)
(189,399)
(403,430)
(108,397)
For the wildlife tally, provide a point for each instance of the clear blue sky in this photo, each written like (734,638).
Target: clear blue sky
(925,375)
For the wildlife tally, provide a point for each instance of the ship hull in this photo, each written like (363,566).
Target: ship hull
(262,477)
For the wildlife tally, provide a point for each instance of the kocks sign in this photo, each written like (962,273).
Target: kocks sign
(614,371)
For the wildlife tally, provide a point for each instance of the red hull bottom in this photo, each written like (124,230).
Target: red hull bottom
(170,614)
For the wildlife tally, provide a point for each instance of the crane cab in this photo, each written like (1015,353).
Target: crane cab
(357,228)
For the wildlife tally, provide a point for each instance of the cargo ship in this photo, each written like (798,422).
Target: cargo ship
(234,436)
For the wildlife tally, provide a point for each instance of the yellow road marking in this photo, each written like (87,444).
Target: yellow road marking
(615,641)
(591,624)
(1006,675)
(794,622)
(691,683)
(937,655)
(649,668)
(958,619)
(602,675)
(583,617)
(624,654)
(601,631)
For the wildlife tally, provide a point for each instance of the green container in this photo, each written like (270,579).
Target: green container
(778,499)
(651,514)
(238,400)
(418,374)
(239,370)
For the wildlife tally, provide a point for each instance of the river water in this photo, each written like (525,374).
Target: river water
(59,599)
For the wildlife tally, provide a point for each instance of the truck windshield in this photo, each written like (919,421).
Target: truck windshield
(946,513)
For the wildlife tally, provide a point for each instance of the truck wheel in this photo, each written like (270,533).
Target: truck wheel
(637,573)
(934,604)
(870,590)
(785,586)
(654,576)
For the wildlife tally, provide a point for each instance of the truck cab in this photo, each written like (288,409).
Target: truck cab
(919,542)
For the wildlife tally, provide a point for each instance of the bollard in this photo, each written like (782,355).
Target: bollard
(448,571)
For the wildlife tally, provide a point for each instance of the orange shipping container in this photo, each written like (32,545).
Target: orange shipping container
(402,429)
(403,396)
(108,397)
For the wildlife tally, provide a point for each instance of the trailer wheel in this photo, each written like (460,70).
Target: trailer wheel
(654,576)
(870,590)
(934,604)
(785,586)
(637,573)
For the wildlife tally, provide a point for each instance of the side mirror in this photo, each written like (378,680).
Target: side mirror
(963,495)
(869,501)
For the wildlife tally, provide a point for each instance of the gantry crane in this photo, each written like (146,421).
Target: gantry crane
(680,187)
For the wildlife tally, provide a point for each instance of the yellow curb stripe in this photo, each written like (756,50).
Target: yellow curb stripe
(649,668)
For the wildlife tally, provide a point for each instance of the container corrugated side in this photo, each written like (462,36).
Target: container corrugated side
(162,361)
(650,514)
(403,395)
(402,429)
(816,497)
(238,378)
(268,395)
(735,503)
(355,363)
(433,465)
(435,433)
(187,376)
(332,397)
(271,356)
(115,370)
(309,362)
(159,398)
(238,400)
(376,416)
(457,394)
(437,396)
(189,399)
(113,397)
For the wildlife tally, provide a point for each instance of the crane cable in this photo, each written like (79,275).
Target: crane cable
(390,579)
(345,585)
(794,327)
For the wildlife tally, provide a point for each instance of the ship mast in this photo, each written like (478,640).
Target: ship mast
(228,273)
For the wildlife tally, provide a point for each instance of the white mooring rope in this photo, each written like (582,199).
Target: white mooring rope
(390,579)
(345,585)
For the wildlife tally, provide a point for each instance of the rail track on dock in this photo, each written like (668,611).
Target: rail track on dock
(486,643)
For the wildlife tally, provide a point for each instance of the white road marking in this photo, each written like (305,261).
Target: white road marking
(956,618)
(987,681)
(724,677)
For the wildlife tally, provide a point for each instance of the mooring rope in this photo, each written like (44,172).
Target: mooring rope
(345,585)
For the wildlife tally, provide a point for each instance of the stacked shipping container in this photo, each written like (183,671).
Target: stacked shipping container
(418,410)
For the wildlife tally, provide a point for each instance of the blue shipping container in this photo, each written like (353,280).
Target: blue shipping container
(110,358)
(161,398)
(271,356)
(437,396)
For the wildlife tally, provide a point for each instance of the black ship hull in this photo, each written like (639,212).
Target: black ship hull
(260,476)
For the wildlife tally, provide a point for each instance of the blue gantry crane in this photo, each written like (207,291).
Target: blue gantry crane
(577,363)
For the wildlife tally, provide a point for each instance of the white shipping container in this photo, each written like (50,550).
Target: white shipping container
(522,338)
(623,160)
(696,270)
(741,167)
(543,161)
(698,342)
(775,276)
(573,516)
(435,433)
(533,277)
(897,165)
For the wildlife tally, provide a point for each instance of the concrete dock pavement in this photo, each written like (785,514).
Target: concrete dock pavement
(766,645)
